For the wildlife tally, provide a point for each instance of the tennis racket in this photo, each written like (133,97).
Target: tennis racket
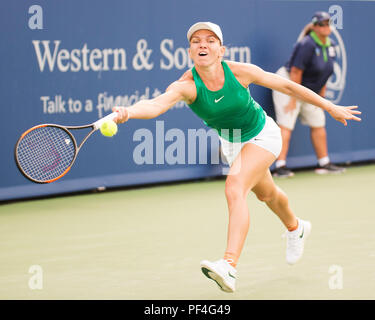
(46,152)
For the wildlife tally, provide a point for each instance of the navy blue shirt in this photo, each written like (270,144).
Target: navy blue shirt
(308,56)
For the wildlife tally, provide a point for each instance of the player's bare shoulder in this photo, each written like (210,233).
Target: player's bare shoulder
(245,73)
(188,75)
(186,86)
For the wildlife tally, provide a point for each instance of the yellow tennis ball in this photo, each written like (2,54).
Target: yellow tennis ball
(108,128)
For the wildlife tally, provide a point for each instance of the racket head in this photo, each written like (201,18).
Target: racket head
(45,153)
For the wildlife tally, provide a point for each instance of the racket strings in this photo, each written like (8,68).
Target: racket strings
(45,153)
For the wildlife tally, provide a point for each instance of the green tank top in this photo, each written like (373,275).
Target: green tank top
(229,109)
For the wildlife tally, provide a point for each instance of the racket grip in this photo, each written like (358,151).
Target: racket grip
(98,124)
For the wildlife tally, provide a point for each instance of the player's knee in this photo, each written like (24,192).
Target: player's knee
(234,189)
(267,195)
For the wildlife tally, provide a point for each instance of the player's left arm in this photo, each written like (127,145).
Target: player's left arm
(254,74)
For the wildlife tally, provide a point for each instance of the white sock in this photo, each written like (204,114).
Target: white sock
(280,163)
(323,161)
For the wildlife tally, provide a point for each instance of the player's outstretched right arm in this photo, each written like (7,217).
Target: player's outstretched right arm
(152,108)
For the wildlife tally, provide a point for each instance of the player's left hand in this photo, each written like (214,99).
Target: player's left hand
(341,113)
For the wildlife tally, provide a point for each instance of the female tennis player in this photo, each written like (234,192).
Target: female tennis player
(217,91)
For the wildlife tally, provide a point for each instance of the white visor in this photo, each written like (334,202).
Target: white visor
(205,26)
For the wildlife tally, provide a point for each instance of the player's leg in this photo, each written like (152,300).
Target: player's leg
(245,172)
(276,199)
(297,229)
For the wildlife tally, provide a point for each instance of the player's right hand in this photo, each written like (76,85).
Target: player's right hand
(123,114)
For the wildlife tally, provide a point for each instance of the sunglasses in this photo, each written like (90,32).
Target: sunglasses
(323,23)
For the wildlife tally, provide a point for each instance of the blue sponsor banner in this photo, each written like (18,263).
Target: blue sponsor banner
(68,62)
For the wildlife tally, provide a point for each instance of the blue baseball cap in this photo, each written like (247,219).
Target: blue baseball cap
(320,16)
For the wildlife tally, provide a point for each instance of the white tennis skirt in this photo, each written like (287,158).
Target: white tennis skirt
(269,139)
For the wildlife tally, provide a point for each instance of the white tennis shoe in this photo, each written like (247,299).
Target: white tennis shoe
(295,241)
(221,272)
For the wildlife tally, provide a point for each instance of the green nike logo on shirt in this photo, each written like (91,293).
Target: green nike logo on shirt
(217,100)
